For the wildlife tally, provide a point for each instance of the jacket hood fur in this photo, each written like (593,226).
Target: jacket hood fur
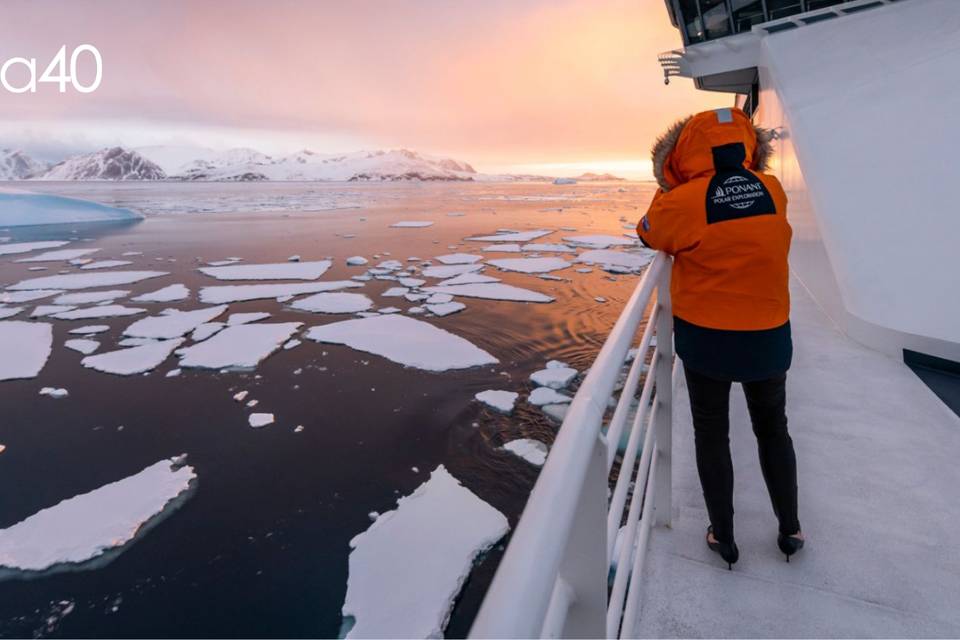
(667,141)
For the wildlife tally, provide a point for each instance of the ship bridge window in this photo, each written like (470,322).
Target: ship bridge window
(746,13)
(704,20)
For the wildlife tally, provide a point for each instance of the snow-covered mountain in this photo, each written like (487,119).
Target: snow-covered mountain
(180,162)
(115,163)
(306,165)
(16,165)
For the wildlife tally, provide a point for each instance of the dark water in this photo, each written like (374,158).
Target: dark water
(260,549)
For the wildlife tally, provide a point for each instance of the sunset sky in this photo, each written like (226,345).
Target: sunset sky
(552,86)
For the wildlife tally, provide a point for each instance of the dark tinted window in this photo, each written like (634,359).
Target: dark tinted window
(690,18)
(783,8)
(716,19)
(746,13)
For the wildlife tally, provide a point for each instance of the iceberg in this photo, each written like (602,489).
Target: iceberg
(22,208)
(410,342)
(406,569)
(24,348)
(95,525)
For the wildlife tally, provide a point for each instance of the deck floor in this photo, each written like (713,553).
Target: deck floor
(879,473)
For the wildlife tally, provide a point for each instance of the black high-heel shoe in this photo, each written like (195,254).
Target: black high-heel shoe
(789,545)
(727,550)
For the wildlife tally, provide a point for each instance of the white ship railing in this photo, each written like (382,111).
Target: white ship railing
(555,579)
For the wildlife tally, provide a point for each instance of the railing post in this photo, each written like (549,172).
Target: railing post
(664,379)
(584,566)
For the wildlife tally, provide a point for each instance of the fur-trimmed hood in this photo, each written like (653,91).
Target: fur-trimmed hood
(682,152)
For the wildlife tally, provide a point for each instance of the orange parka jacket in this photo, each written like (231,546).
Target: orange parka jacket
(723,221)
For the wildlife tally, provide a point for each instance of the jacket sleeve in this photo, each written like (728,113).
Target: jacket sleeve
(667,225)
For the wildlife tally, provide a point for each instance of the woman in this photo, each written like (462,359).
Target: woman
(725,224)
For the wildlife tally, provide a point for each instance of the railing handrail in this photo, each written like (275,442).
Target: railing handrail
(518,600)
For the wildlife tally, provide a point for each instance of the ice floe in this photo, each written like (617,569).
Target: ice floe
(24,247)
(412,224)
(513,236)
(90,329)
(54,392)
(24,349)
(395,292)
(599,241)
(448,271)
(139,359)
(492,291)
(406,569)
(445,308)
(334,303)
(246,318)
(43,310)
(607,258)
(273,271)
(410,342)
(59,255)
(239,347)
(92,525)
(459,258)
(9,312)
(206,330)
(468,278)
(356,261)
(104,311)
(545,395)
(530,265)
(411,282)
(502,248)
(90,297)
(105,264)
(258,420)
(245,292)
(556,412)
(172,323)
(83,345)
(27,296)
(171,293)
(549,248)
(556,376)
(533,451)
(73,281)
(502,401)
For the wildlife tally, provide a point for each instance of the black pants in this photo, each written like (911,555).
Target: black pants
(766,400)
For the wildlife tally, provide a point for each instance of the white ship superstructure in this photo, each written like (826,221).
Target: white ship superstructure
(861,98)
